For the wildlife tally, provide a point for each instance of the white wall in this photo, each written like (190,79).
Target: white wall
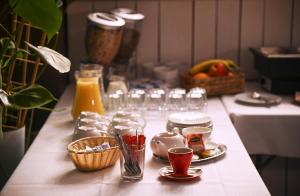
(193,30)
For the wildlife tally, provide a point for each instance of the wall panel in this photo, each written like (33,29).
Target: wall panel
(296,24)
(176,31)
(205,30)
(278,14)
(126,3)
(251,34)
(228,29)
(104,5)
(147,49)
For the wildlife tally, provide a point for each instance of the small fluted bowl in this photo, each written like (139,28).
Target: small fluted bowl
(91,161)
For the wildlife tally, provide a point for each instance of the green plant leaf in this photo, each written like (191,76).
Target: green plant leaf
(7,62)
(32,97)
(19,54)
(4,98)
(6,42)
(10,35)
(41,13)
(59,3)
(53,58)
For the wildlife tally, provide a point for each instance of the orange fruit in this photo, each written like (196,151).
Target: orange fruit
(200,76)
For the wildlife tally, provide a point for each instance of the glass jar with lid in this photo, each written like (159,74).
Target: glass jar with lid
(103,37)
(88,93)
(131,33)
(126,56)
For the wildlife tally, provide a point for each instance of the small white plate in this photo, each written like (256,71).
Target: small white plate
(189,118)
(193,173)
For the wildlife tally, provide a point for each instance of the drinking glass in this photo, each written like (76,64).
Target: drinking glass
(176,100)
(116,100)
(155,99)
(136,99)
(132,162)
(196,99)
(179,91)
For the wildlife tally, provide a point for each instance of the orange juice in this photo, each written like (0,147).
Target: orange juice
(87,97)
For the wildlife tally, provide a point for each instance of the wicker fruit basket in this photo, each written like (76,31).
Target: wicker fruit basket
(216,85)
(90,161)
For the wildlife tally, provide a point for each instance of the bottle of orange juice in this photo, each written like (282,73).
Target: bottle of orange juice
(88,93)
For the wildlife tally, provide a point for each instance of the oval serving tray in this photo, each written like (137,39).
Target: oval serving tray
(220,150)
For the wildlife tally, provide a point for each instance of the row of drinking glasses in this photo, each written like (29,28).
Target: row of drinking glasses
(156,99)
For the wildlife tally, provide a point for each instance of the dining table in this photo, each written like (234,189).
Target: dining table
(46,168)
(263,128)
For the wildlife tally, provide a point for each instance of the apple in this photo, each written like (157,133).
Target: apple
(218,69)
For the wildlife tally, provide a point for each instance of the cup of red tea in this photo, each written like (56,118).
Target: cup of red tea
(180,159)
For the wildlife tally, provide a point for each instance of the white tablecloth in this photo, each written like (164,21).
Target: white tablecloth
(46,168)
(267,130)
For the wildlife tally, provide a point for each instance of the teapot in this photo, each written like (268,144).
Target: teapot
(161,142)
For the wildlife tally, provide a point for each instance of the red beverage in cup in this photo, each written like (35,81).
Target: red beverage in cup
(180,159)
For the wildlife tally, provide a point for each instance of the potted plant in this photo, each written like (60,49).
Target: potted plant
(22,63)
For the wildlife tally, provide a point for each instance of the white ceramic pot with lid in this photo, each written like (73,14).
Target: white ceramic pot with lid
(161,142)
(103,37)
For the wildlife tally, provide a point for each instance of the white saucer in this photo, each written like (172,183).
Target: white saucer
(193,173)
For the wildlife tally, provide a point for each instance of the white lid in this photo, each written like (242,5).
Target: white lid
(105,20)
(128,14)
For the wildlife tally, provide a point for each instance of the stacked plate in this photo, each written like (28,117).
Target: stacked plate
(188,119)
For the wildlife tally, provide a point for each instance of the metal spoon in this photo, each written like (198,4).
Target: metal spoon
(258,96)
